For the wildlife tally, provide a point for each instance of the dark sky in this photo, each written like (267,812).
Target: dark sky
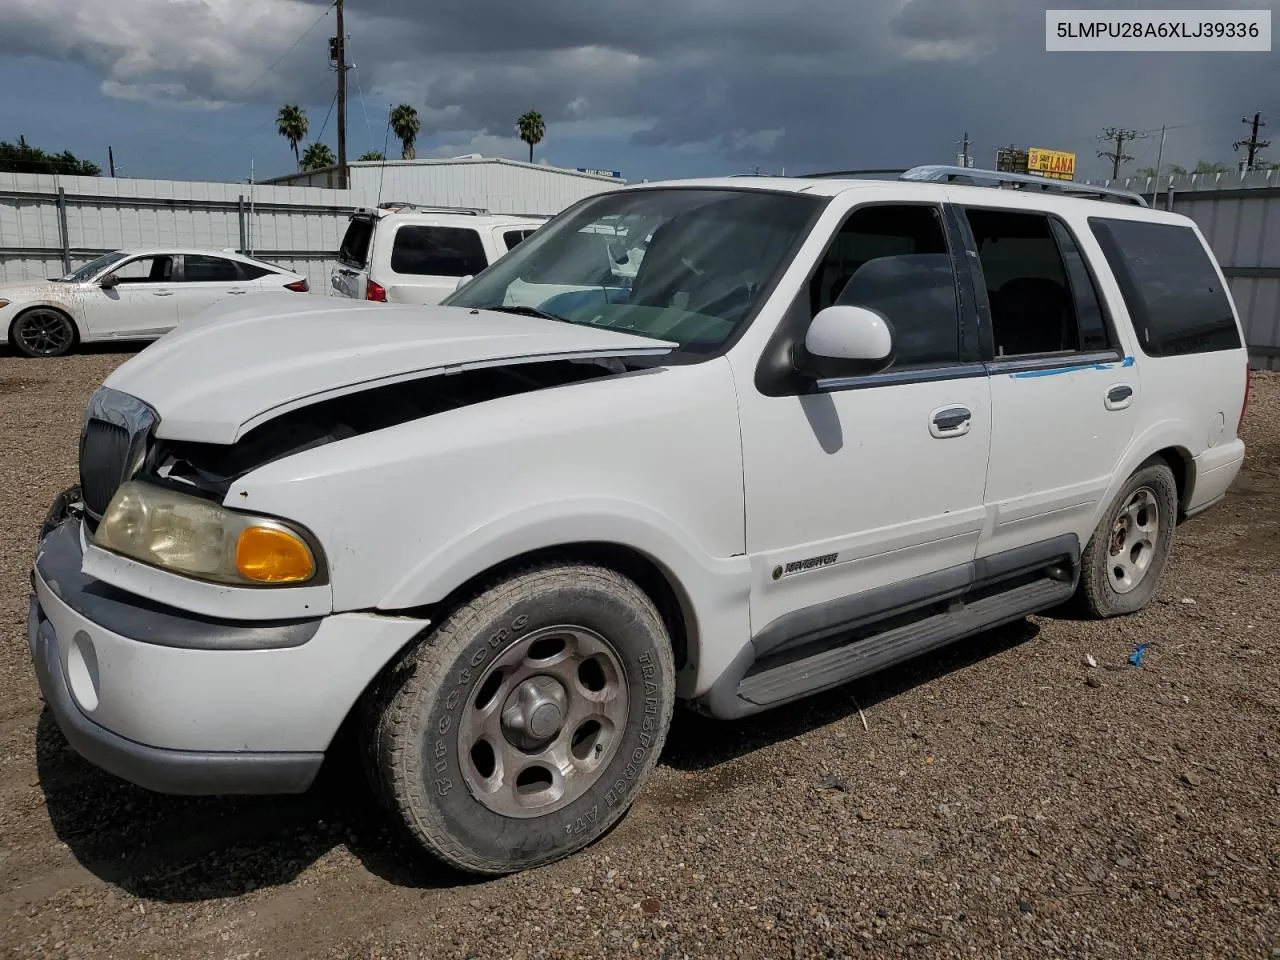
(652,88)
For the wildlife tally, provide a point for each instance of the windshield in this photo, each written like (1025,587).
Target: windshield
(93,267)
(678,264)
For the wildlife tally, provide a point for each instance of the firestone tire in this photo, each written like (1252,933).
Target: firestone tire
(1121,566)
(521,728)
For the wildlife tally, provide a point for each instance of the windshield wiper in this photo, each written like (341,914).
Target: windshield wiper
(525,312)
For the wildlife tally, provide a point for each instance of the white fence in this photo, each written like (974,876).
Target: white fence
(50,224)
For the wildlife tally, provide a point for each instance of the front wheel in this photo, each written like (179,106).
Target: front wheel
(520,729)
(42,332)
(1120,567)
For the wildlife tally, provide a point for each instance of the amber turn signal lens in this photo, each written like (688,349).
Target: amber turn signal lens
(269,555)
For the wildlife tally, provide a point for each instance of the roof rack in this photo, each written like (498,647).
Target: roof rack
(938,173)
(395,206)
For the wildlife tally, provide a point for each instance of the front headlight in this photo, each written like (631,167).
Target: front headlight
(201,539)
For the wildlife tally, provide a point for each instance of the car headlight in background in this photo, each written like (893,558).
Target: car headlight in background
(197,538)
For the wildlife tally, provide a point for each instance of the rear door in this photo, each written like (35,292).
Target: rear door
(351,273)
(204,280)
(1065,392)
(427,260)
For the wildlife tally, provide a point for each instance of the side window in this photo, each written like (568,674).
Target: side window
(1027,288)
(894,260)
(145,270)
(438,251)
(201,269)
(1168,282)
(251,271)
(512,237)
(354,248)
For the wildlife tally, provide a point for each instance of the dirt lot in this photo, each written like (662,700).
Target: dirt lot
(1004,800)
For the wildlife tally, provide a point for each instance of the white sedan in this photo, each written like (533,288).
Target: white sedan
(130,295)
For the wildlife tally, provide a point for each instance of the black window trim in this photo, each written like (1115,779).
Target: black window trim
(1028,363)
(770,381)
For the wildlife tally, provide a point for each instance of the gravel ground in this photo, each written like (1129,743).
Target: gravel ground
(1003,800)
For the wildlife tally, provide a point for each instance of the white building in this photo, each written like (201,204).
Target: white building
(488,183)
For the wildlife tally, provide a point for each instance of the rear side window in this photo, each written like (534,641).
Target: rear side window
(355,243)
(1168,282)
(512,237)
(438,251)
(249,271)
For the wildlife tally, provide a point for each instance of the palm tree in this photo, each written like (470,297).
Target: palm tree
(372,155)
(531,129)
(1175,170)
(406,126)
(1204,166)
(1145,172)
(292,124)
(317,157)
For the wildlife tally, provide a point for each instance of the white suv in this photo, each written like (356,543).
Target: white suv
(824,427)
(402,253)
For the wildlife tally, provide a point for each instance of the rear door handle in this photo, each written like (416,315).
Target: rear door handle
(162,293)
(235,293)
(1119,397)
(950,422)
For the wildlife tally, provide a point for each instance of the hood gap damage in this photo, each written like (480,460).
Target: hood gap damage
(209,469)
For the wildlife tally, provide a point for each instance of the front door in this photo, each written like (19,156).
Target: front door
(872,481)
(1064,400)
(141,304)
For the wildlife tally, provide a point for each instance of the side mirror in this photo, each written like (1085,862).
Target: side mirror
(462,281)
(846,341)
(109,282)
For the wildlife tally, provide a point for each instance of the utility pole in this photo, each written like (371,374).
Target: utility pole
(964,158)
(339,55)
(1159,160)
(111,161)
(1253,143)
(1118,156)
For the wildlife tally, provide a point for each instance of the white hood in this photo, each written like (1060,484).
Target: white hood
(213,382)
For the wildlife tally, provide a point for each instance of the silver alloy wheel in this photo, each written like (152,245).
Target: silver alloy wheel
(1132,547)
(545,720)
(44,332)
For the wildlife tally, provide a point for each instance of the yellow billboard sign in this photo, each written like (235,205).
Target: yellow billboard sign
(1054,164)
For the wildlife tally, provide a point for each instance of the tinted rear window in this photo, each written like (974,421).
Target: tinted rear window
(438,251)
(355,244)
(1173,293)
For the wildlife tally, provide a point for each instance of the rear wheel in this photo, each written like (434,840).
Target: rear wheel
(1121,565)
(42,332)
(521,728)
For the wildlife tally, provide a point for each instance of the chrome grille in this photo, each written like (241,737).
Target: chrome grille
(104,454)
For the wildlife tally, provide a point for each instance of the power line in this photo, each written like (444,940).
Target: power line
(1118,156)
(1253,143)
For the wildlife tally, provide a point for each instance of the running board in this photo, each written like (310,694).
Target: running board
(832,668)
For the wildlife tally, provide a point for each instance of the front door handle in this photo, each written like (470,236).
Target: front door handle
(235,293)
(1119,397)
(162,293)
(950,422)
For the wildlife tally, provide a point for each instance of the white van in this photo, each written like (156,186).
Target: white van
(402,253)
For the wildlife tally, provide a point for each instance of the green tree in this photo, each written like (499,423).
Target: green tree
(291,122)
(1170,170)
(406,126)
(531,129)
(317,157)
(1205,166)
(21,157)
(372,155)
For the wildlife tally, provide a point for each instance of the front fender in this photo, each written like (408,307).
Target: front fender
(713,590)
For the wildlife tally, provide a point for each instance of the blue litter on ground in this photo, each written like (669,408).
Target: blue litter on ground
(1138,653)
